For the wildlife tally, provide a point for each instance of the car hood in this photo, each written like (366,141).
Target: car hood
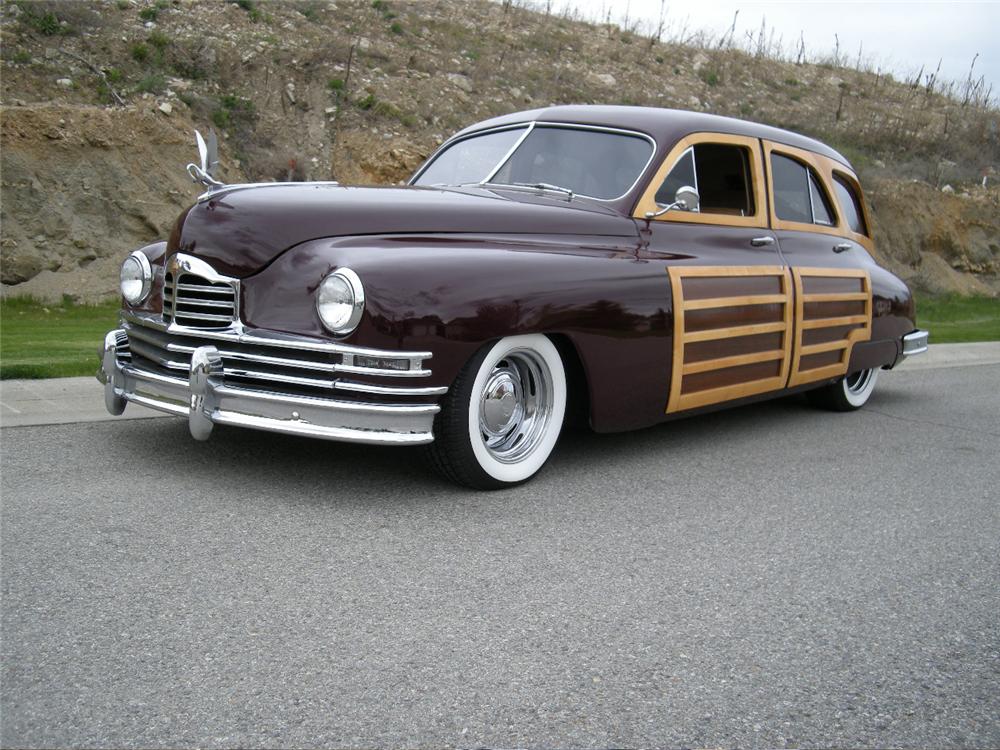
(244,228)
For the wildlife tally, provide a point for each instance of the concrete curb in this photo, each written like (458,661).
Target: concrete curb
(955,355)
(67,400)
(59,401)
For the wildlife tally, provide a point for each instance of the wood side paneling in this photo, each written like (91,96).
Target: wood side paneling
(721,350)
(819,315)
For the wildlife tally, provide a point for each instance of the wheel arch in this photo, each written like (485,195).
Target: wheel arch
(578,396)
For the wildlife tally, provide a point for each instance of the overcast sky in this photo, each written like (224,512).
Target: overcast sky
(898,36)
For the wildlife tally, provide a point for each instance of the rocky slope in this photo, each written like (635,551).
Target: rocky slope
(99,100)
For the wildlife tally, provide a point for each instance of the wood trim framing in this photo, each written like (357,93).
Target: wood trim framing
(678,400)
(845,344)
(825,168)
(759,219)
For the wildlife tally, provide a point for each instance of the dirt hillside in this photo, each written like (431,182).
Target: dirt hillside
(98,101)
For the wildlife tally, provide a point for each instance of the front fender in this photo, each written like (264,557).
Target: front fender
(451,295)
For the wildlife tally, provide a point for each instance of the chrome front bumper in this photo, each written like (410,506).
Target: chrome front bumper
(205,399)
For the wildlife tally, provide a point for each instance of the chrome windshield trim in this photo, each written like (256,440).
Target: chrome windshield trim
(510,153)
(270,338)
(532,124)
(457,139)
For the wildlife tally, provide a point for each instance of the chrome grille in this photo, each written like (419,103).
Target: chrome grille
(196,302)
(266,365)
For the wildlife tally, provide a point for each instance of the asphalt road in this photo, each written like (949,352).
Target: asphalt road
(764,577)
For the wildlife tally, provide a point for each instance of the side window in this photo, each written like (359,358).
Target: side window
(822,213)
(798,193)
(850,204)
(721,175)
(681,175)
(791,189)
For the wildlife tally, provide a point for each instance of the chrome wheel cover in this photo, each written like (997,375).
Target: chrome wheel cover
(515,406)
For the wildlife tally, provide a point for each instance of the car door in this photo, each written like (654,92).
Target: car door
(824,242)
(731,296)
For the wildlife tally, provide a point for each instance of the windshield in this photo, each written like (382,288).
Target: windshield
(592,163)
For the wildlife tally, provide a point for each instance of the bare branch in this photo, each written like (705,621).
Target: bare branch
(97,71)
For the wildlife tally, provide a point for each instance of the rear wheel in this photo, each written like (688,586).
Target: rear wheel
(847,394)
(502,416)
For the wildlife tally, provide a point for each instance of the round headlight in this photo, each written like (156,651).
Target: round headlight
(136,278)
(340,301)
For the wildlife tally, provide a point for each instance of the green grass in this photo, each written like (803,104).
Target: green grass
(52,341)
(39,340)
(954,319)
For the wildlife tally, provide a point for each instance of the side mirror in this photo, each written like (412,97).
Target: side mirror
(685,199)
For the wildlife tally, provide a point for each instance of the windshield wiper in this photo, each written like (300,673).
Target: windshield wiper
(545,186)
(533,185)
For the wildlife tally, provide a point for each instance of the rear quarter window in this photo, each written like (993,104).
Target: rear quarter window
(799,194)
(850,205)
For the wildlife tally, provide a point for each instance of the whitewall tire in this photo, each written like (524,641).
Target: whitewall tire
(502,417)
(847,394)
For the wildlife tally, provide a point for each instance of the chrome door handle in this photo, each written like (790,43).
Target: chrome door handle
(762,241)
(842,247)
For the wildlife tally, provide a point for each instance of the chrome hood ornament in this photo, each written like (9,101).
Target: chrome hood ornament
(208,153)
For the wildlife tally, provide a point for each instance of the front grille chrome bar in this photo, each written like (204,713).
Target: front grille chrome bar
(169,348)
(237,335)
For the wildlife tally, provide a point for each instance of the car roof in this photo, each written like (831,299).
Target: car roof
(666,126)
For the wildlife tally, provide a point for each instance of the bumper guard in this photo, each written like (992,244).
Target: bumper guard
(914,343)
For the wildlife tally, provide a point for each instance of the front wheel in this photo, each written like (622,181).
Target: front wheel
(502,416)
(847,394)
